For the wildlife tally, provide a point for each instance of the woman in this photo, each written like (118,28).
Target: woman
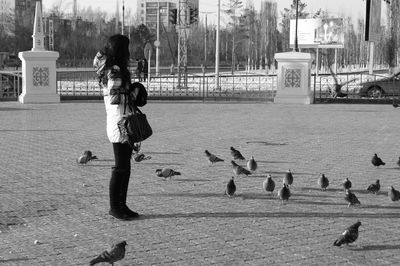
(112,67)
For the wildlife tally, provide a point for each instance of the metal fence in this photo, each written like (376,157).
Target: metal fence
(10,85)
(82,84)
(355,87)
(73,84)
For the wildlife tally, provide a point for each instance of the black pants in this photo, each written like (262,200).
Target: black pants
(120,176)
(122,155)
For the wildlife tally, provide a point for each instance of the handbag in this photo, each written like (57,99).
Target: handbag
(134,127)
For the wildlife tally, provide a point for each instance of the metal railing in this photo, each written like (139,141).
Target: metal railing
(352,88)
(10,85)
(83,84)
(78,83)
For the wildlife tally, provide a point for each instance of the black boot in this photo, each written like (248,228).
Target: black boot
(117,209)
(124,192)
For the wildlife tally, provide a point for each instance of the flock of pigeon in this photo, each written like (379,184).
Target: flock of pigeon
(350,235)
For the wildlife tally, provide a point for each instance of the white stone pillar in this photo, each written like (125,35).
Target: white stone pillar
(294,72)
(38,68)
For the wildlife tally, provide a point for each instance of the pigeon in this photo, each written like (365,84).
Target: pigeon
(288,178)
(398,162)
(236,155)
(374,188)
(393,194)
(284,193)
(138,157)
(349,235)
(167,172)
(269,184)
(323,181)
(239,170)
(136,147)
(116,253)
(212,158)
(346,184)
(351,198)
(230,188)
(252,164)
(376,161)
(86,157)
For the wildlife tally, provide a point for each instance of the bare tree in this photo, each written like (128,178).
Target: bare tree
(233,11)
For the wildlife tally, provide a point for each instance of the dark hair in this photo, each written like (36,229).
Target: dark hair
(117,53)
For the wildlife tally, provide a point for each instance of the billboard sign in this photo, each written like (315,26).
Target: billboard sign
(323,33)
(306,31)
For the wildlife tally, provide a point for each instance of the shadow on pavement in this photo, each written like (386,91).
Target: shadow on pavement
(14,260)
(162,152)
(267,143)
(376,247)
(271,215)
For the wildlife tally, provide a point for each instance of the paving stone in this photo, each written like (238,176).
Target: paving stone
(45,195)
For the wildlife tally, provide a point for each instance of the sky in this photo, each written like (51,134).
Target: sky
(354,8)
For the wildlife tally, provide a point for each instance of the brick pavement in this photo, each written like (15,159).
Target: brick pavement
(46,196)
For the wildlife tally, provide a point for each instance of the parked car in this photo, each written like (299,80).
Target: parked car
(389,86)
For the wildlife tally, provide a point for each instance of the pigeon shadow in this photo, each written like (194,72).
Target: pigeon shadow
(393,168)
(307,202)
(365,191)
(191,180)
(284,172)
(265,195)
(327,190)
(260,175)
(158,163)
(266,143)
(379,206)
(160,152)
(376,247)
(314,195)
(14,260)
(105,160)
(96,165)
(272,161)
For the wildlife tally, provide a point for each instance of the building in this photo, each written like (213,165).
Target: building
(147,11)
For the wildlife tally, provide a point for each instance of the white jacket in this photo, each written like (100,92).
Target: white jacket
(114,111)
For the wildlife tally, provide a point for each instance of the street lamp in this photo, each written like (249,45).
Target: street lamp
(296,42)
(157,42)
(217,47)
(123,17)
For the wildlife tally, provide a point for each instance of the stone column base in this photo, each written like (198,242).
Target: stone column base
(294,99)
(39,98)
(293,86)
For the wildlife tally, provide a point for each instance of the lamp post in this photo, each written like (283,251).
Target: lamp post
(296,42)
(123,17)
(217,47)
(157,42)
